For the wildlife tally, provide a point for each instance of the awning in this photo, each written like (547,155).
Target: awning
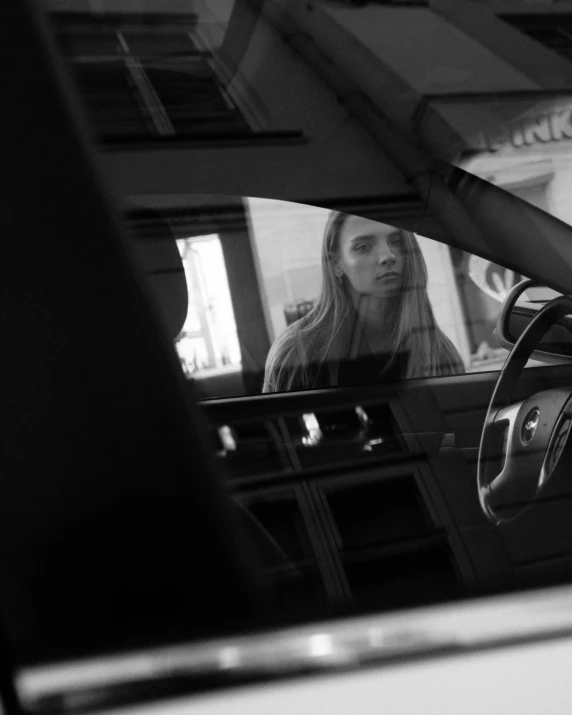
(491,122)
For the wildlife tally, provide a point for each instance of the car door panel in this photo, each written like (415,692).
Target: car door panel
(441,436)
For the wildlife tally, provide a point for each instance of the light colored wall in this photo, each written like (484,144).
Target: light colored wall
(444,295)
(560,188)
(287,240)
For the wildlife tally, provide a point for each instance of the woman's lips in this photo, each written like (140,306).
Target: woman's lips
(388,277)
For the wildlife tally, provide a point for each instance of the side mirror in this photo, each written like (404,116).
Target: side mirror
(519,307)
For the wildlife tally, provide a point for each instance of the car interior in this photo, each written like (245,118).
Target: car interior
(153,497)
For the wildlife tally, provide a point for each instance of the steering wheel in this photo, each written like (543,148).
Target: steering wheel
(522,442)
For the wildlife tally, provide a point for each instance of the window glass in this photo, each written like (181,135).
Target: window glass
(352,507)
(459,300)
(288,297)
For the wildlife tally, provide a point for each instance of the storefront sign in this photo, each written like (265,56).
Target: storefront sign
(550,127)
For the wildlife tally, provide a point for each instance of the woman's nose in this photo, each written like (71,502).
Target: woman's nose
(385,257)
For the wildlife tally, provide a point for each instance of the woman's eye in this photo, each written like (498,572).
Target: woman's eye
(362,247)
(396,241)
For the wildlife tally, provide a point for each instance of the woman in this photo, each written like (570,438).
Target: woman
(373,320)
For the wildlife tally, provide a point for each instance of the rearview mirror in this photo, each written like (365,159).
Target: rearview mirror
(520,306)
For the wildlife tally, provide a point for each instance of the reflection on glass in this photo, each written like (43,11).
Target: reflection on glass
(482,287)
(151,72)
(523,146)
(340,292)
(314,433)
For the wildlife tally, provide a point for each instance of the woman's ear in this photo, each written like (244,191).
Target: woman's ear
(336,268)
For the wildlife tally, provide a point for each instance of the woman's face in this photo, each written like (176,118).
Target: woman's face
(372,257)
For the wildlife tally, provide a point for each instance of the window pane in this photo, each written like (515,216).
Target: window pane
(209,338)
(193,99)
(113,100)
(153,41)
(91,41)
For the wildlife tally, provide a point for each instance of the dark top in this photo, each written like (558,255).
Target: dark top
(363,370)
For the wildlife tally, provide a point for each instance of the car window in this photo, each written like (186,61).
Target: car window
(270,278)
(347,218)
(194,82)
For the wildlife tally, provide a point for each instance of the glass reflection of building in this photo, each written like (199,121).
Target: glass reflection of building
(189,95)
(187,76)
(148,75)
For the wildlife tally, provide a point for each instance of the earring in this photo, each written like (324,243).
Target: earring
(340,276)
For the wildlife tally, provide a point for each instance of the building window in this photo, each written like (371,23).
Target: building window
(552,30)
(144,77)
(208,342)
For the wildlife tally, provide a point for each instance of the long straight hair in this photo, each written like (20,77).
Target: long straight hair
(324,335)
